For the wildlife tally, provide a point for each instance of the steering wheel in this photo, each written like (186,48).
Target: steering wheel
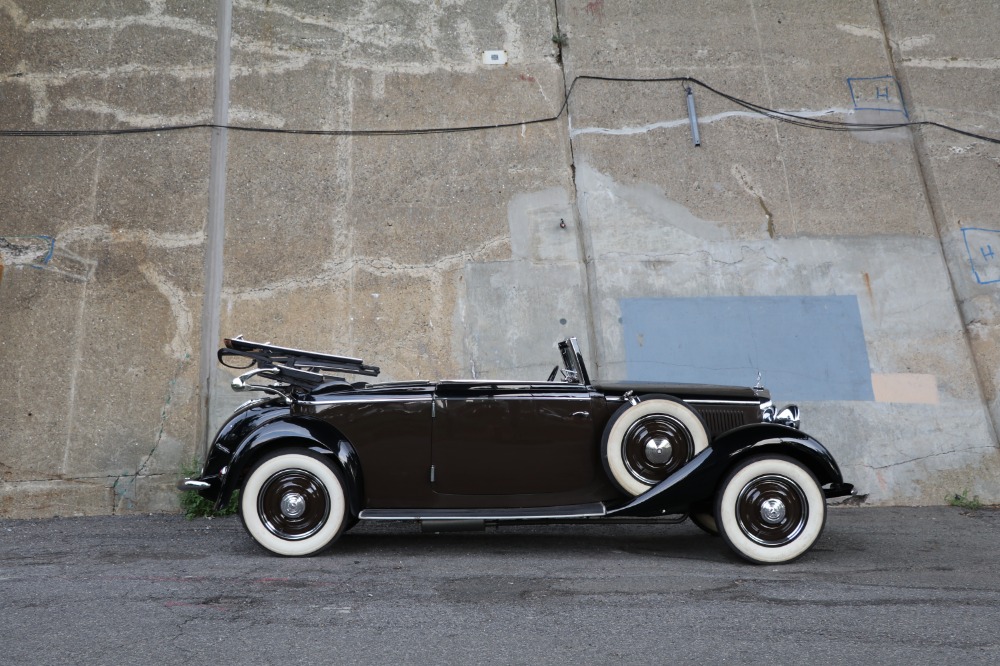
(552,375)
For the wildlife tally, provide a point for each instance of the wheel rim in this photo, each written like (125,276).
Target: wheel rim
(655,446)
(772,510)
(293,504)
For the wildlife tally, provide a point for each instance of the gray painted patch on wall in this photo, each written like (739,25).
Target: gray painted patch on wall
(806,347)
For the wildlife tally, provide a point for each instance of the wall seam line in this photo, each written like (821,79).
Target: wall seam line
(584,246)
(216,223)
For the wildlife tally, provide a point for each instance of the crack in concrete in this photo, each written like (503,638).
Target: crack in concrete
(84,478)
(127,493)
(743,178)
(360,31)
(704,120)
(926,457)
(338,271)
(953,63)
(180,346)
(762,252)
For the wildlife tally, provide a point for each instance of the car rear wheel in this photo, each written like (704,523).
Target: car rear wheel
(648,441)
(770,509)
(293,503)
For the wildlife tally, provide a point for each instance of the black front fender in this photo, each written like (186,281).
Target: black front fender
(295,431)
(698,480)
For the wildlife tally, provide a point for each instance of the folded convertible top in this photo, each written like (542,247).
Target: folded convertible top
(295,364)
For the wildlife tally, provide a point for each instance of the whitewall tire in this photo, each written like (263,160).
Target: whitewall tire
(770,509)
(293,503)
(650,440)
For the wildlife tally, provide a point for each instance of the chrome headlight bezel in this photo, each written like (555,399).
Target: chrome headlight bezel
(789,415)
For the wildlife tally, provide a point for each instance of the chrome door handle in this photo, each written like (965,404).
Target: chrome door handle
(580,415)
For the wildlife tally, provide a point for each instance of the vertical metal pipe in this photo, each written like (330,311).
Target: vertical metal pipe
(693,118)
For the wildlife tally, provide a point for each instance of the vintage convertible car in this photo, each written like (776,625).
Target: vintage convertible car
(318,453)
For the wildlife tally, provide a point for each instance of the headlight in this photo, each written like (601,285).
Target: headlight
(789,416)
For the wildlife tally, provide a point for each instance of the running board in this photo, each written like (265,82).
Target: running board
(543,513)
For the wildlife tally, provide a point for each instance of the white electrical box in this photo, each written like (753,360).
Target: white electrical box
(494,57)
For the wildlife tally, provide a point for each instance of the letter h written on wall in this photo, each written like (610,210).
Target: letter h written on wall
(983,246)
(877,93)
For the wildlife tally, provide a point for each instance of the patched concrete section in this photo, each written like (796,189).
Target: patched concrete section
(543,227)
(516,313)
(906,387)
(512,313)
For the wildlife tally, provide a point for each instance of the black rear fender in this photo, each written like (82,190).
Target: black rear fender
(318,437)
(698,480)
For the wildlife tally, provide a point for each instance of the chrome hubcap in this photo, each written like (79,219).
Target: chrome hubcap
(658,451)
(293,505)
(772,511)
(655,446)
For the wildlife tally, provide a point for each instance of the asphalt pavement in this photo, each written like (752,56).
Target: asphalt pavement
(882,586)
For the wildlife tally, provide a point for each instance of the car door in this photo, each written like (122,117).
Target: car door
(506,438)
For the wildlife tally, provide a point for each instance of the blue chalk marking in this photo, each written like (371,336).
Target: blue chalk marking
(986,269)
(52,248)
(48,255)
(806,347)
(858,85)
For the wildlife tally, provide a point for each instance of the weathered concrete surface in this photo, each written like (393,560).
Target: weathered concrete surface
(100,335)
(472,253)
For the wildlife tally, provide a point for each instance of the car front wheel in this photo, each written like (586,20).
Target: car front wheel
(770,509)
(293,503)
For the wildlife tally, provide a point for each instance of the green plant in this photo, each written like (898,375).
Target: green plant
(560,39)
(196,506)
(963,501)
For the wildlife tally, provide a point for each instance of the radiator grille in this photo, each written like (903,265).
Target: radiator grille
(722,419)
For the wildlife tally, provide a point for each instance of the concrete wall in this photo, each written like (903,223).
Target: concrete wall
(126,257)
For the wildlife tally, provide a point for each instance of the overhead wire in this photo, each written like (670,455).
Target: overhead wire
(781,116)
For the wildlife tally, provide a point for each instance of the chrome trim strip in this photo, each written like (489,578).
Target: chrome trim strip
(696,401)
(353,398)
(193,484)
(586,511)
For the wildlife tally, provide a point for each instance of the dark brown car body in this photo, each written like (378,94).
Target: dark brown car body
(482,450)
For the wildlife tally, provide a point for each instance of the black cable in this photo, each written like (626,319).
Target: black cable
(782,116)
